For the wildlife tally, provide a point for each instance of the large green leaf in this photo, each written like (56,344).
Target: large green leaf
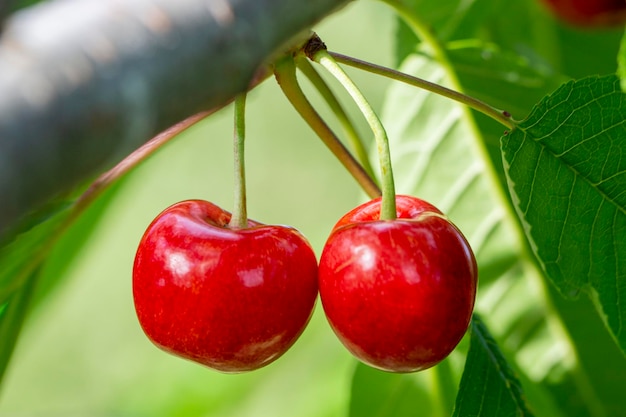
(566,166)
(489,386)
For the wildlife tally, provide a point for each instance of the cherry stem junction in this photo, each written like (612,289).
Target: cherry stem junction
(239,218)
(285,73)
(500,116)
(388,204)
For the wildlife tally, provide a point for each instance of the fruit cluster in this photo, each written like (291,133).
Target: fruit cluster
(398,293)
(397,280)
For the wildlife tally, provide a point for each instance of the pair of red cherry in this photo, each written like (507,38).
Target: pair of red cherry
(399,293)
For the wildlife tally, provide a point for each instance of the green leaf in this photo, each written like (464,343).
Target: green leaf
(489,386)
(29,249)
(75,235)
(21,256)
(566,167)
(21,280)
(12,314)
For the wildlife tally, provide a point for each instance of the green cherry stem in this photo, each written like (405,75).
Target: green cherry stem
(239,218)
(285,73)
(388,204)
(327,94)
(500,116)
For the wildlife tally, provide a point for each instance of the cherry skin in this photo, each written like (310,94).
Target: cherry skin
(399,294)
(597,13)
(233,300)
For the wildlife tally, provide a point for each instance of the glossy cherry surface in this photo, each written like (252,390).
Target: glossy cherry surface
(589,12)
(399,294)
(231,299)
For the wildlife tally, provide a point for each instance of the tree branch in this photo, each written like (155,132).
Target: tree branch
(85,82)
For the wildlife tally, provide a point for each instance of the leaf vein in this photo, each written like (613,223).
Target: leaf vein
(532,182)
(565,220)
(588,138)
(618,303)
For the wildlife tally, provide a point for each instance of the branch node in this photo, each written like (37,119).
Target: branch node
(313,45)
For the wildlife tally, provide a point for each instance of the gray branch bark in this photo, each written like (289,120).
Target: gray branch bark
(85,82)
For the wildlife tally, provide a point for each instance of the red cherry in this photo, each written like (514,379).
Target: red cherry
(231,299)
(589,12)
(399,293)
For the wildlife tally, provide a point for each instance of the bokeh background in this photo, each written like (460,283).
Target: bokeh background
(82,352)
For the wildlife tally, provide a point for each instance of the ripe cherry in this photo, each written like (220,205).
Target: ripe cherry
(589,12)
(399,294)
(231,299)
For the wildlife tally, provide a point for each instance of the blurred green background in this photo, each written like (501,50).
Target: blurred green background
(82,352)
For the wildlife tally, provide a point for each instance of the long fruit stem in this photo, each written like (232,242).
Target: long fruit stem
(239,219)
(285,72)
(327,94)
(388,205)
(500,116)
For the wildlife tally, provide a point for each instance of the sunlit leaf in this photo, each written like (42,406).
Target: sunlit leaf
(489,386)
(566,166)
